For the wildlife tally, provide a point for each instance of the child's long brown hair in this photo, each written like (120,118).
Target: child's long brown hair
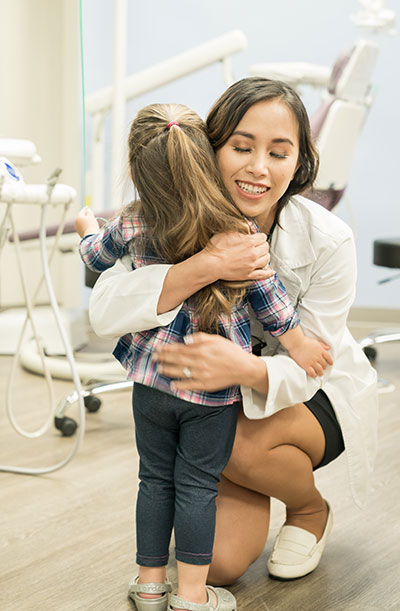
(182,198)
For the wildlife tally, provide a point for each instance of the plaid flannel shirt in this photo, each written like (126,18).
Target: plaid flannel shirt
(268,298)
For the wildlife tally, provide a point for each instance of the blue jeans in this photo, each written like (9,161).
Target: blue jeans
(183,447)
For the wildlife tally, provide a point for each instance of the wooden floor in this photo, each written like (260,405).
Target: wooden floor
(67,539)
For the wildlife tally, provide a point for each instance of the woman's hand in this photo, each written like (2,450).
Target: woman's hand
(86,222)
(238,256)
(227,256)
(212,363)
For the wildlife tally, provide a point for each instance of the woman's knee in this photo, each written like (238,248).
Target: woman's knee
(226,567)
(225,571)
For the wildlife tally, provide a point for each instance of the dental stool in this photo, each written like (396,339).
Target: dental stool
(386,254)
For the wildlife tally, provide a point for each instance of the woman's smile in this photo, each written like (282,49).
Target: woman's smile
(251,190)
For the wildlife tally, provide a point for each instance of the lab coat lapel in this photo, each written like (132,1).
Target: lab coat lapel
(291,250)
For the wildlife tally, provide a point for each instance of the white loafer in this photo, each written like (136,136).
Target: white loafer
(296,551)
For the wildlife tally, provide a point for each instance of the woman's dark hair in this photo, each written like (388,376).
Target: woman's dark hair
(231,107)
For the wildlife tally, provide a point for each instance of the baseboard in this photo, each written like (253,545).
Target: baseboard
(378,316)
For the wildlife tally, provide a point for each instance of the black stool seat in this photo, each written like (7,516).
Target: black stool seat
(387,252)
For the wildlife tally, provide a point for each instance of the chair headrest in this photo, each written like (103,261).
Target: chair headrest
(338,68)
(351,74)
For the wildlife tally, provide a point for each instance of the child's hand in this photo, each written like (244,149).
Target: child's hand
(312,355)
(86,222)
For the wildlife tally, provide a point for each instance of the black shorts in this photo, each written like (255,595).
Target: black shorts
(322,409)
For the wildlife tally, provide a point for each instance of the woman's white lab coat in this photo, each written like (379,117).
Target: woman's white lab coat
(314,255)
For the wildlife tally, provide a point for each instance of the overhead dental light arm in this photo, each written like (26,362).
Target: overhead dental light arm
(171,69)
(294,73)
(99,103)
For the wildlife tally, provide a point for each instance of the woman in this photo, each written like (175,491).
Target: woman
(185,437)
(291,423)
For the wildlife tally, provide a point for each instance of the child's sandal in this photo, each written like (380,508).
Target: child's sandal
(225,601)
(149,604)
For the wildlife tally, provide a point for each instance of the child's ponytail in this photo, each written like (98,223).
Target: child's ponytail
(173,167)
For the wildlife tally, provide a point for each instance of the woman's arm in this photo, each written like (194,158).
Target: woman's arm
(227,256)
(272,383)
(214,362)
(126,301)
(323,311)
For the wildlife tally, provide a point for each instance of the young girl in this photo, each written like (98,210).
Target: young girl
(184,438)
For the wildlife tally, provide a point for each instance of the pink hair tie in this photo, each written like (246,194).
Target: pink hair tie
(172,123)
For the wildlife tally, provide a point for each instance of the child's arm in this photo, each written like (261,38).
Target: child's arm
(86,223)
(309,353)
(273,308)
(100,248)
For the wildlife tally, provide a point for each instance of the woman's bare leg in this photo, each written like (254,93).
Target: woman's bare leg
(241,531)
(273,457)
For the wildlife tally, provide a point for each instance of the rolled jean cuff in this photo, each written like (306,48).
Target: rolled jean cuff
(190,558)
(151,560)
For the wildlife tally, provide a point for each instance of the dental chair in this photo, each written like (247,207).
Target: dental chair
(336,124)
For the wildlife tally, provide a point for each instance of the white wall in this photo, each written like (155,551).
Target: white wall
(39,72)
(39,76)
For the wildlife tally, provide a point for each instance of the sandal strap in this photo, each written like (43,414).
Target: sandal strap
(149,588)
(224,600)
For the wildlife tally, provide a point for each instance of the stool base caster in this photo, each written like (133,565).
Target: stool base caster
(370,353)
(66,425)
(92,403)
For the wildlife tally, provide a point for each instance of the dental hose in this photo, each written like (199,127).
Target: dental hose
(67,346)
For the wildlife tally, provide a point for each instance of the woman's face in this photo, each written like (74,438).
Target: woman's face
(260,159)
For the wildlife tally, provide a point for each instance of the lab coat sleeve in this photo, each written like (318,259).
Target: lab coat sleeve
(323,311)
(125,300)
